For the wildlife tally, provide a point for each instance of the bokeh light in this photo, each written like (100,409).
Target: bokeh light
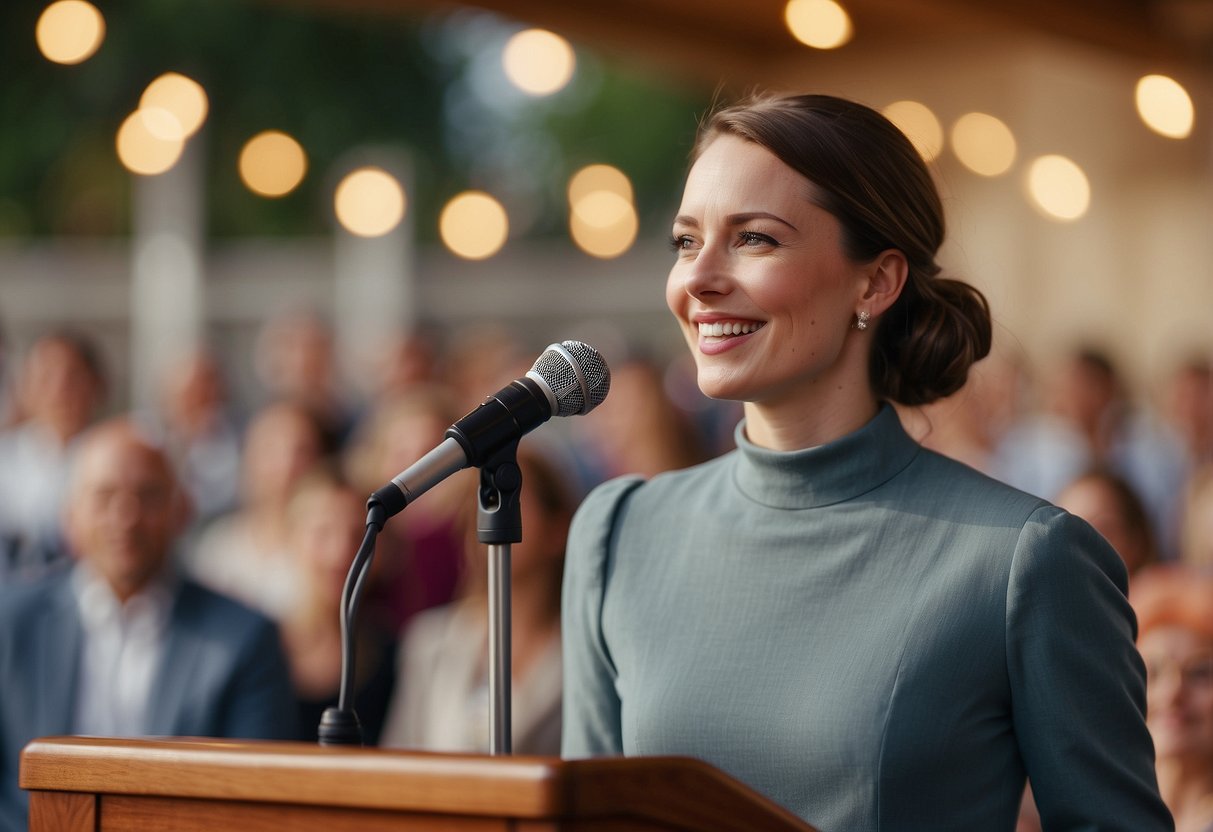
(149,141)
(538,62)
(69,31)
(1165,106)
(603,224)
(473,225)
(1058,188)
(272,163)
(983,144)
(822,24)
(593,178)
(369,202)
(179,95)
(919,124)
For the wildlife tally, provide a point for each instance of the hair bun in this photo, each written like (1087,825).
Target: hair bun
(928,341)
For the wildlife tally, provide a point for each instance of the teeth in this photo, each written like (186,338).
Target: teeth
(720,329)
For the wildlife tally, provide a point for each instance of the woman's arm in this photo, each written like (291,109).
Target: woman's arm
(1077,681)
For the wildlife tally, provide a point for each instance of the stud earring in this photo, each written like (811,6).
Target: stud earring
(861,319)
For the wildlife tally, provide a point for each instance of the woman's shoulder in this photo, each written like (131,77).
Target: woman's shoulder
(606,500)
(958,487)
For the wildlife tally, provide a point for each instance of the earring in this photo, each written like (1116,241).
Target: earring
(862,318)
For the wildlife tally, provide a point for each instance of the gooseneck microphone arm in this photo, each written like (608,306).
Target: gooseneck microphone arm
(339,725)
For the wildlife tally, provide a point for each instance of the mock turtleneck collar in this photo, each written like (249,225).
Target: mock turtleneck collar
(826,474)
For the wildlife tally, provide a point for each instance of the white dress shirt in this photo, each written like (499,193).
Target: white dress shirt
(123,646)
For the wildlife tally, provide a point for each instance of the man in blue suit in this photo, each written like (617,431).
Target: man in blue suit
(121,644)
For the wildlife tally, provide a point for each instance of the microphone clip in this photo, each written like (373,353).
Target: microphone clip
(499,509)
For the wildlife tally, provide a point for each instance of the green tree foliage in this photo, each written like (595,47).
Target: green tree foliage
(336,81)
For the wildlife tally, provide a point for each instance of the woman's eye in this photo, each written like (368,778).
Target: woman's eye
(754,238)
(680,242)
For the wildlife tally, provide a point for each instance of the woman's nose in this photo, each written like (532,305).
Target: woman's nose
(707,273)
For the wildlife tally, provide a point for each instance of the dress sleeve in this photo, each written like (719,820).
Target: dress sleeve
(1078,683)
(591,709)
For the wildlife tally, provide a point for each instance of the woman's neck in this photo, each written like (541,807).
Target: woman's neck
(799,425)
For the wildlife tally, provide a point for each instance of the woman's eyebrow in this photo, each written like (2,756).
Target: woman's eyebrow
(736,219)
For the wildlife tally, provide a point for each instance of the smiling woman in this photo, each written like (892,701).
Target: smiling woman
(851,624)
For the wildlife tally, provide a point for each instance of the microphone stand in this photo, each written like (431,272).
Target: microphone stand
(498,525)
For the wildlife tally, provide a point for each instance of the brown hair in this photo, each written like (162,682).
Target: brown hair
(867,174)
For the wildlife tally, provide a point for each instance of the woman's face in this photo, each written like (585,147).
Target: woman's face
(1179,692)
(761,287)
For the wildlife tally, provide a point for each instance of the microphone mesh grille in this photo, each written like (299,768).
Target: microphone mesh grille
(576,374)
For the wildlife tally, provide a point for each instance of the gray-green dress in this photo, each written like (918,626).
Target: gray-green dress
(871,634)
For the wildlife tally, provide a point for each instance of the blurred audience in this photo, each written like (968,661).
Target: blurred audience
(1174,606)
(197,425)
(408,362)
(326,520)
(480,360)
(1111,505)
(60,390)
(296,360)
(1188,406)
(1090,419)
(969,425)
(1196,532)
(121,645)
(244,553)
(442,702)
(421,549)
(638,429)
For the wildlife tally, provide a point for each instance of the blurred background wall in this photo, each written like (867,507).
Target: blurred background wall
(1079,219)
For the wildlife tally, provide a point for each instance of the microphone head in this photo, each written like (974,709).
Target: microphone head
(576,374)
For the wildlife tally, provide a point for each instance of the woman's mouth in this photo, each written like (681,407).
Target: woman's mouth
(728,329)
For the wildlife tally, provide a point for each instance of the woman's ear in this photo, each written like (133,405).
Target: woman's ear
(887,275)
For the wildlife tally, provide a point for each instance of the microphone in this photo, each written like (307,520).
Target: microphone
(570,378)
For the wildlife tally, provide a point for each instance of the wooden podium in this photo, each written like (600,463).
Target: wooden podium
(81,784)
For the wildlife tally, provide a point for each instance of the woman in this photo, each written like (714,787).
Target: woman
(869,633)
(1175,611)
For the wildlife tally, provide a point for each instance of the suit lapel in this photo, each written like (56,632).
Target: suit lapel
(168,712)
(58,651)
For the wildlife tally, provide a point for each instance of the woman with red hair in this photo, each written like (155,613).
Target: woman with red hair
(1174,607)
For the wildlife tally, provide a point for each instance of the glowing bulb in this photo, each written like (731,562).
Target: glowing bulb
(822,24)
(69,31)
(599,178)
(473,225)
(983,144)
(603,224)
(538,62)
(149,141)
(1059,188)
(272,164)
(369,202)
(181,96)
(919,124)
(1165,106)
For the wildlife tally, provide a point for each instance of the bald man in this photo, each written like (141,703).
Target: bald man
(121,644)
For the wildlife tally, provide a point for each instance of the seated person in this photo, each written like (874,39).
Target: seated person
(120,644)
(1174,606)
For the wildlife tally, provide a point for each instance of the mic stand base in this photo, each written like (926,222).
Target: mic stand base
(340,727)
